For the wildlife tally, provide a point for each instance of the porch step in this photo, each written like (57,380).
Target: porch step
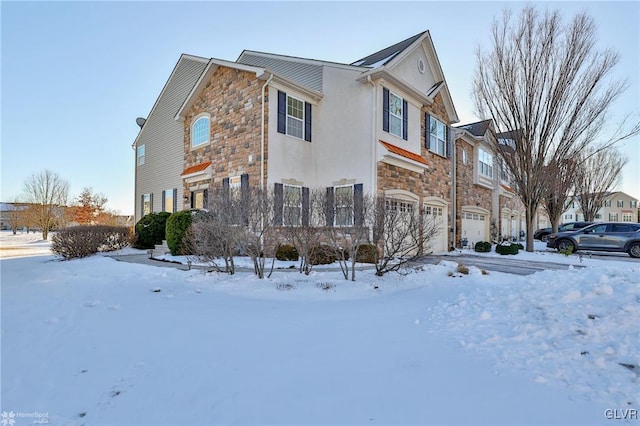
(161,249)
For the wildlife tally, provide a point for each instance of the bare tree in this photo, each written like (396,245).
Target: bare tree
(302,223)
(402,232)
(48,194)
(598,173)
(560,177)
(16,214)
(544,84)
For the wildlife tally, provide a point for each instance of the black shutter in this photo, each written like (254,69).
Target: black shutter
(307,121)
(193,200)
(244,197)
(278,204)
(142,206)
(151,203)
(282,112)
(329,212)
(305,206)
(405,120)
(163,200)
(175,200)
(205,199)
(225,192)
(427,132)
(448,136)
(385,109)
(358,204)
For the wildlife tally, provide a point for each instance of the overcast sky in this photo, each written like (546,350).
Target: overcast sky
(75,75)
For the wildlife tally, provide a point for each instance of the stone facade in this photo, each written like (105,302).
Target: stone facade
(468,193)
(233,99)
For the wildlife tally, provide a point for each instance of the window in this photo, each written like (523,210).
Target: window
(146,204)
(598,216)
(169,200)
(394,114)
(294,117)
(200,132)
(620,203)
(437,136)
(464,156)
(398,206)
(633,204)
(343,199)
(613,217)
(292,206)
(437,211)
(235,185)
(141,156)
(607,203)
(627,217)
(485,163)
(199,199)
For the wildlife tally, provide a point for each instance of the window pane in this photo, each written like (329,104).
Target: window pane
(200,134)
(294,127)
(395,126)
(168,200)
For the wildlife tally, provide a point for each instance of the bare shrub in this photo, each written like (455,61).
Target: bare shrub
(82,241)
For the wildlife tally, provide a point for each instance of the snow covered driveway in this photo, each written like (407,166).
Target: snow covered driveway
(101,342)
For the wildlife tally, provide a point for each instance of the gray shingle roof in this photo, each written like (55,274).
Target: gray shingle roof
(385,55)
(477,129)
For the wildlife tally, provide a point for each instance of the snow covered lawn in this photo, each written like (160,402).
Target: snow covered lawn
(101,342)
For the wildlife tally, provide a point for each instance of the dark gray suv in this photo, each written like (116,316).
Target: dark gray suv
(611,236)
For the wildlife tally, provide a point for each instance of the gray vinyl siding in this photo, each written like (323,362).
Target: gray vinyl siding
(163,138)
(307,75)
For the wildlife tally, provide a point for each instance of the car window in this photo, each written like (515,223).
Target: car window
(620,228)
(566,227)
(597,229)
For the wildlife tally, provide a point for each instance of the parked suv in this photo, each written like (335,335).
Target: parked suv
(543,234)
(612,236)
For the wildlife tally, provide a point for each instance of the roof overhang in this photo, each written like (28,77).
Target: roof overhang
(198,172)
(400,157)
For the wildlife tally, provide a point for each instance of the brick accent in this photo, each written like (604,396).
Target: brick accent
(468,193)
(233,98)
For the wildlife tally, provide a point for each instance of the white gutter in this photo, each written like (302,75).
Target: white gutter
(374,163)
(262,134)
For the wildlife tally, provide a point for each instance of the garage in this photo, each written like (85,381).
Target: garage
(475,225)
(437,207)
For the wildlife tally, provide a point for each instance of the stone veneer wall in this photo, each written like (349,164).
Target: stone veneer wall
(233,98)
(435,181)
(467,192)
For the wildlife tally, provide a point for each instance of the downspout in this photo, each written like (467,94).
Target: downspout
(374,112)
(262,133)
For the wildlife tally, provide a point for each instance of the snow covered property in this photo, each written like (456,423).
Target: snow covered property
(101,342)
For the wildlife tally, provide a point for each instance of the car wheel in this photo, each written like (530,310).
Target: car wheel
(544,238)
(634,250)
(565,245)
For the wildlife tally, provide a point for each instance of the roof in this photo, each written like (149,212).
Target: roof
(403,152)
(305,74)
(195,169)
(477,129)
(385,55)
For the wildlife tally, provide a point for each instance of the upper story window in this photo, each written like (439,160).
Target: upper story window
(292,205)
(485,163)
(607,203)
(394,114)
(437,136)
(464,156)
(141,155)
(633,204)
(343,200)
(620,203)
(294,116)
(200,132)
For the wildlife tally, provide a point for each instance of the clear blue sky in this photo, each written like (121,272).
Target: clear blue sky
(75,75)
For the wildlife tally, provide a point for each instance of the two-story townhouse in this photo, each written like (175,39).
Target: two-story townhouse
(617,207)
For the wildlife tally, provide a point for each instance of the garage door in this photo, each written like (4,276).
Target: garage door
(438,208)
(474,227)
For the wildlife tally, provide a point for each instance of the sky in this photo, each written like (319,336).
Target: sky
(76,75)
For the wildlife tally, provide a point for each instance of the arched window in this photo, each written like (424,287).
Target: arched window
(200,132)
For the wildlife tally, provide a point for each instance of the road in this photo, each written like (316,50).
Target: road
(505,264)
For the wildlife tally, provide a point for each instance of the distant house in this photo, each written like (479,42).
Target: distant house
(12,212)
(617,207)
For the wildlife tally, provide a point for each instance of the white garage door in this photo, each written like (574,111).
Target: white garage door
(438,243)
(474,227)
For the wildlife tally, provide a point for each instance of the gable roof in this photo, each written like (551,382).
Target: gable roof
(478,128)
(384,56)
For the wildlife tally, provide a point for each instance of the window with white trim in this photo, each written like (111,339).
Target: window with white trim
(620,203)
(395,114)
(168,200)
(292,205)
(141,154)
(295,117)
(200,132)
(485,163)
(235,187)
(435,211)
(613,217)
(607,203)
(398,206)
(343,200)
(438,136)
(633,204)
(146,204)
(627,217)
